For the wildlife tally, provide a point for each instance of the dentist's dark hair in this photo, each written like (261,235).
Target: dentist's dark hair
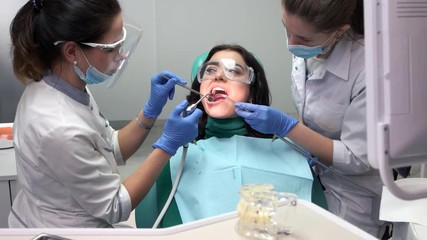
(259,92)
(328,15)
(40,23)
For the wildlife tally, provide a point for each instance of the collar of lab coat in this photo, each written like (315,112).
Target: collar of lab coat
(340,58)
(63,86)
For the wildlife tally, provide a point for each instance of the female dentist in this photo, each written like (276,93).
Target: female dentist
(66,151)
(328,87)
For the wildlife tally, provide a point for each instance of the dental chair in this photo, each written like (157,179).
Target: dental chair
(147,211)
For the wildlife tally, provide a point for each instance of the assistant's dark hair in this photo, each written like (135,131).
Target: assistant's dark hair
(40,23)
(328,15)
(259,92)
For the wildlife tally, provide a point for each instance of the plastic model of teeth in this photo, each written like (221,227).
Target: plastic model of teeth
(253,214)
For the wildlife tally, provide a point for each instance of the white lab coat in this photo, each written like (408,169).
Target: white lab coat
(66,155)
(332,102)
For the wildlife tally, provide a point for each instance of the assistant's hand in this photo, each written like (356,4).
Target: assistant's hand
(266,119)
(179,130)
(162,88)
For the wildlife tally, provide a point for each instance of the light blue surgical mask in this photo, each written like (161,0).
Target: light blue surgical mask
(310,52)
(92,76)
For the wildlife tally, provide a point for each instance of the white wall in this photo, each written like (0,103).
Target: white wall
(10,88)
(176,32)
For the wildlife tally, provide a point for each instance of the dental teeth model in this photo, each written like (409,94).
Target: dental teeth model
(265,213)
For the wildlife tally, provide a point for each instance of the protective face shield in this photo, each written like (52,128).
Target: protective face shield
(232,70)
(122,50)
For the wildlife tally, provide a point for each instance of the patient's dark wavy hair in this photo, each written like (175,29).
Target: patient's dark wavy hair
(259,92)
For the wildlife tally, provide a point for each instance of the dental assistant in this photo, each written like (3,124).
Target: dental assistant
(328,89)
(66,151)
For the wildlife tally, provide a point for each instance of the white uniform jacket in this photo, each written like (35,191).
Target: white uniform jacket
(332,102)
(67,157)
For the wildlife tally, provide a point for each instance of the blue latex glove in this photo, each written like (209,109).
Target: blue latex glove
(179,130)
(266,119)
(161,90)
(312,162)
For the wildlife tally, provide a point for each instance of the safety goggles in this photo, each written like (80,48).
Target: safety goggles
(232,70)
(112,47)
(109,47)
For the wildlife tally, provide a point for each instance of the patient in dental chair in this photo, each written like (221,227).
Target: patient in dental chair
(228,152)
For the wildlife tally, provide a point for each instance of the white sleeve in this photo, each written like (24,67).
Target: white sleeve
(116,148)
(350,152)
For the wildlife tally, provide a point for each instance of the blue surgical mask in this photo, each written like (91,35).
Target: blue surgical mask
(309,52)
(92,76)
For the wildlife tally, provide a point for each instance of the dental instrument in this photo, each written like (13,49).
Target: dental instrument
(191,107)
(185,87)
(209,95)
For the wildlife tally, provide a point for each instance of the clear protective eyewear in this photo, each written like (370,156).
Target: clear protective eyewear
(232,70)
(112,47)
(122,49)
(109,47)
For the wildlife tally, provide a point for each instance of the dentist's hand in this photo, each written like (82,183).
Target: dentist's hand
(162,88)
(266,119)
(179,130)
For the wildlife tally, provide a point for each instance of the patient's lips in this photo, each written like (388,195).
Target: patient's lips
(217,94)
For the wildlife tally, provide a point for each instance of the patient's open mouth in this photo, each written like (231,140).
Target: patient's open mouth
(217,94)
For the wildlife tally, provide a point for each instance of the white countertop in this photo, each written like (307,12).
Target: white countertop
(7,165)
(311,222)
(7,154)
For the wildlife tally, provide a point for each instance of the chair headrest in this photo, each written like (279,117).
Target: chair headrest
(197,63)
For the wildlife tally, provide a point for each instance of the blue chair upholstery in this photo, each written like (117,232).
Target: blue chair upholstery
(146,211)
